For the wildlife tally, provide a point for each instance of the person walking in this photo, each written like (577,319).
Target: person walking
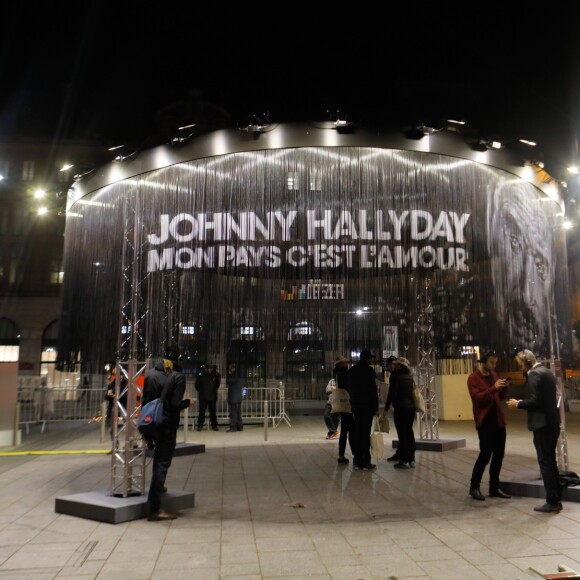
(235,396)
(487,391)
(206,385)
(340,404)
(364,402)
(544,422)
(401,397)
(165,437)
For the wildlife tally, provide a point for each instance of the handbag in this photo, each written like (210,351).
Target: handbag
(377,441)
(418,399)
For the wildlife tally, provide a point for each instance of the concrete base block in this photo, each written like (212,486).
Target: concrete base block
(530,484)
(435,444)
(184,449)
(100,506)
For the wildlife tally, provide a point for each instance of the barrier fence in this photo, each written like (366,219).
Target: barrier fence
(38,404)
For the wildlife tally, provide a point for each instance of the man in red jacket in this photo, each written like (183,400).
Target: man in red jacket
(487,390)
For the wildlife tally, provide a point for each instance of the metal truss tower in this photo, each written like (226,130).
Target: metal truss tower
(429,421)
(128,454)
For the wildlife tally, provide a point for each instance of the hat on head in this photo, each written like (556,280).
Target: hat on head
(366,354)
(341,360)
(391,358)
(172,353)
(402,361)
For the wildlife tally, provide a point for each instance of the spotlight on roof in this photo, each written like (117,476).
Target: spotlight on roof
(258,124)
(420,131)
(526,142)
(485,144)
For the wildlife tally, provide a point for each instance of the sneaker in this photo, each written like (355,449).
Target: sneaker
(342,460)
(412,464)
(334,435)
(369,466)
(394,457)
(402,465)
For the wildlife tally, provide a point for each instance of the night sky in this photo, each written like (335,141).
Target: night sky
(133,72)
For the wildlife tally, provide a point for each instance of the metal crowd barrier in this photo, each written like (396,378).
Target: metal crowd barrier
(41,405)
(254,407)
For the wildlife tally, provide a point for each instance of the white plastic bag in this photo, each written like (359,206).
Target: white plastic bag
(377,441)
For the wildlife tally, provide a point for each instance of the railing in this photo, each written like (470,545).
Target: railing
(40,405)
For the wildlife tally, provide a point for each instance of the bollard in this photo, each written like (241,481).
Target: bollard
(103,420)
(16,423)
(266,420)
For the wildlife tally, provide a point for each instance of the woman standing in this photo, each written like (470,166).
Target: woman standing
(401,397)
(340,403)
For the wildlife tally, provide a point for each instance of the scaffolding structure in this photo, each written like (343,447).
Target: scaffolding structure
(428,421)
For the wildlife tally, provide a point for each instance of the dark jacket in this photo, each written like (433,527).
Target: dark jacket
(485,397)
(541,402)
(400,391)
(362,388)
(155,380)
(235,388)
(207,385)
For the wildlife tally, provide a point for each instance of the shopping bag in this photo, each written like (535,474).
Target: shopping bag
(377,441)
(418,399)
(384,426)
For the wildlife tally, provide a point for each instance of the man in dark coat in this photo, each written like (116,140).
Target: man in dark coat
(364,402)
(235,396)
(206,386)
(544,422)
(166,371)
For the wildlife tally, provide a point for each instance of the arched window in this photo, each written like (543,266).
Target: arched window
(305,362)
(9,340)
(248,351)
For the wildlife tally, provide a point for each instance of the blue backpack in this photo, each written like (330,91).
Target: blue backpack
(151,417)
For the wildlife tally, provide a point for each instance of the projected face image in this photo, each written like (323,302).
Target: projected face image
(520,242)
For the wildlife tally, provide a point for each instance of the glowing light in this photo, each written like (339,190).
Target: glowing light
(42,210)
(39,194)
(573,170)
(66,167)
(567,224)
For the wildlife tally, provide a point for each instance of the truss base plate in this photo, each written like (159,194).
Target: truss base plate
(530,484)
(102,507)
(184,449)
(434,444)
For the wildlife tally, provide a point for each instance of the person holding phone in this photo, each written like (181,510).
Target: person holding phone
(487,391)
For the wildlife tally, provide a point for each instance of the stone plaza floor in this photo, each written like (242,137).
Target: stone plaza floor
(284,508)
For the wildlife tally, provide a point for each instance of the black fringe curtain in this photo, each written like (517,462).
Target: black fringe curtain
(342,239)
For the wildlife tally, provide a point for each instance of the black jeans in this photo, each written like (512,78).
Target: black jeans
(331,420)
(236,416)
(203,405)
(346,431)
(545,441)
(363,421)
(404,424)
(491,446)
(164,447)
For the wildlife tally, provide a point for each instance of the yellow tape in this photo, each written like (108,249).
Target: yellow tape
(64,452)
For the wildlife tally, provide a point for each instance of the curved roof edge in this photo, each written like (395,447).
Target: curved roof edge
(320,134)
